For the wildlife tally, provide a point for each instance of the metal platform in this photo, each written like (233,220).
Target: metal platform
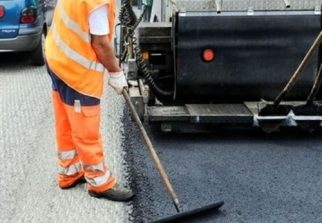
(202,114)
(226,114)
(219,113)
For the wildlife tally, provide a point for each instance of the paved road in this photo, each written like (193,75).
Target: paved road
(28,190)
(261,178)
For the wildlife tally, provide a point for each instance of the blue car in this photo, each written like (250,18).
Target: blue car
(24,25)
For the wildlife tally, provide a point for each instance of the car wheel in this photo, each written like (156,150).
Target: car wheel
(38,55)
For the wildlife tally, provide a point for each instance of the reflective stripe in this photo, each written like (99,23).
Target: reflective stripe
(74,26)
(92,65)
(97,181)
(97,167)
(71,170)
(67,155)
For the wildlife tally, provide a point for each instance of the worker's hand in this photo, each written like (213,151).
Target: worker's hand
(118,81)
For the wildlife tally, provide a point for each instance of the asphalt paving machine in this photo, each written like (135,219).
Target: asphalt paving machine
(252,63)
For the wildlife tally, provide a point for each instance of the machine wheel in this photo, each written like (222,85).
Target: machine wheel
(38,55)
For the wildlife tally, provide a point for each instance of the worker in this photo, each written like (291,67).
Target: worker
(79,53)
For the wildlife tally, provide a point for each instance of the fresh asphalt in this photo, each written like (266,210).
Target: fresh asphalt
(261,177)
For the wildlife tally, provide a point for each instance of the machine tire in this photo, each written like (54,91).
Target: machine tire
(38,54)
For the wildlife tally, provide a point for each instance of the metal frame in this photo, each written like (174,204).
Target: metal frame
(191,113)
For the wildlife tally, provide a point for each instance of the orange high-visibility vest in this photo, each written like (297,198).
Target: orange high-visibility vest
(68,49)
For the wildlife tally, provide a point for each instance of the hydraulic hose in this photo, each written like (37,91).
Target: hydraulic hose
(146,73)
(129,20)
(126,16)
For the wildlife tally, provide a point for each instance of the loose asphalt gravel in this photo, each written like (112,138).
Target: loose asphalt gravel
(28,188)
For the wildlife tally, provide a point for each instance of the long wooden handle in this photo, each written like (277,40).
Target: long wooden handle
(299,70)
(153,153)
(316,87)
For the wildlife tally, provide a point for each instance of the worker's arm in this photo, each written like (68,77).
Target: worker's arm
(99,30)
(105,53)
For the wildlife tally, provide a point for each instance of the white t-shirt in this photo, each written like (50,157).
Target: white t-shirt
(98,21)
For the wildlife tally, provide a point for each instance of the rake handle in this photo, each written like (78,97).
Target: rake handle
(153,153)
(298,71)
(316,86)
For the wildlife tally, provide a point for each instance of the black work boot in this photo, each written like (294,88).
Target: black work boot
(80,180)
(117,193)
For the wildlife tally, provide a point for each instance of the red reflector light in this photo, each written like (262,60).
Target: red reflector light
(208,55)
(1,11)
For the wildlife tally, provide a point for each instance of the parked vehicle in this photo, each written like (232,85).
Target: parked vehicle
(24,25)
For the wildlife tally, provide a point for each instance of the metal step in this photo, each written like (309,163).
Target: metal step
(219,113)
(202,113)
(193,116)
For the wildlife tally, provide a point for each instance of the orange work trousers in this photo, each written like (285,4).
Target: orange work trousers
(79,145)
